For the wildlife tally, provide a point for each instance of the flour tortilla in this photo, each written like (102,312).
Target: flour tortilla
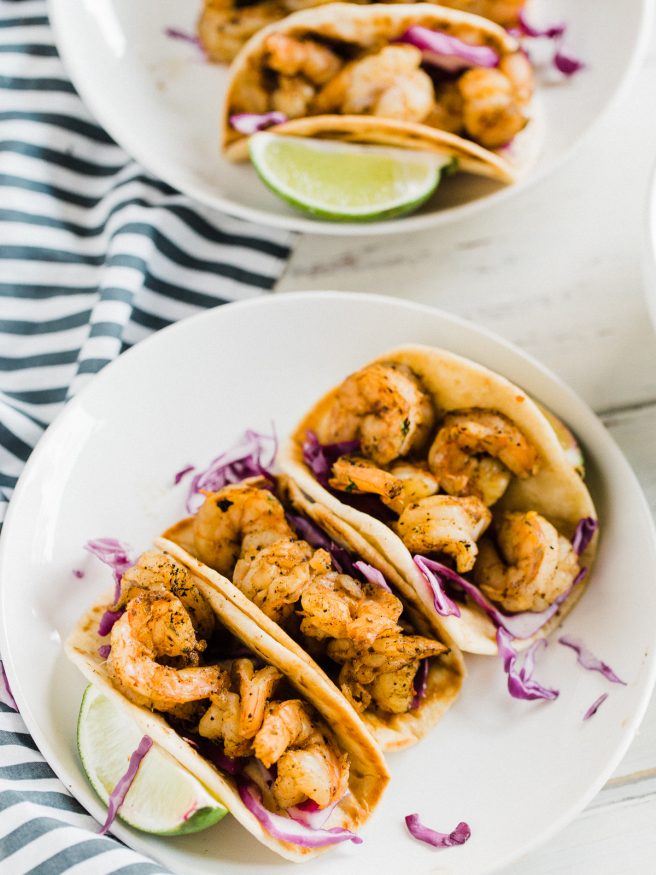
(391,731)
(557,491)
(368,773)
(365,28)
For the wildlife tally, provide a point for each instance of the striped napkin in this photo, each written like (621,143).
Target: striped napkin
(96,255)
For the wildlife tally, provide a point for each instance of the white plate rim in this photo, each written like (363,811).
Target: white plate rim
(133,839)
(150,162)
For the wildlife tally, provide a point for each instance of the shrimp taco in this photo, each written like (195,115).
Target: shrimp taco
(327,605)
(417,76)
(469,493)
(263,730)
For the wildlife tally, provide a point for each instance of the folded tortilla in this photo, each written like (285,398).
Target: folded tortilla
(368,772)
(556,491)
(354,31)
(445,672)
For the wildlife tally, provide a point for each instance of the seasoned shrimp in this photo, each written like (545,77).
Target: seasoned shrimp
(336,606)
(355,474)
(389,83)
(294,57)
(504,12)
(275,577)
(446,113)
(239,516)
(292,96)
(492,111)
(384,406)
(445,524)
(317,771)
(157,625)
(157,572)
(236,717)
(536,564)
(286,724)
(476,451)
(224,26)
(383,671)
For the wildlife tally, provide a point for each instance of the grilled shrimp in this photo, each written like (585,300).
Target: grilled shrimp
(157,572)
(236,717)
(384,406)
(336,606)
(383,671)
(355,474)
(316,771)
(536,564)
(224,26)
(292,96)
(275,577)
(286,724)
(389,83)
(156,625)
(294,57)
(504,12)
(237,517)
(445,524)
(493,106)
(476,451)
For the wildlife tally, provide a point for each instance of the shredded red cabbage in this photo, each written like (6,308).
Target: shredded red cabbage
(104,650)
(420,684)
(596,705)
(288,830)
(118,794)
(6,695)
(431,570)
(417,830)
(320,457)
(214,752)
(252,456)
(583,533)
(183,36)
(115,554)
(251,122)
(182,473)
(373,575)
(309,814)
(315,536)
(553,31)
(523,625)
(588,660)
(448,52)
(107,621)
(521,684)
(77,572)
(565,64)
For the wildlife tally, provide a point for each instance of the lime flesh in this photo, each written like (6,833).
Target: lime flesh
(344,181)
(163,798)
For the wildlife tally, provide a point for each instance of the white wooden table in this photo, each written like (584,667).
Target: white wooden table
(558,272)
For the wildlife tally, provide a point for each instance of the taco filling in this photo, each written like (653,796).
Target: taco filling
(466,492)
(351,624)
(169,652)
(440,69)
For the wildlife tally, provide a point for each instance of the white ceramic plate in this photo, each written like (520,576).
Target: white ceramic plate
(515,771)
(160,101)
(649,248)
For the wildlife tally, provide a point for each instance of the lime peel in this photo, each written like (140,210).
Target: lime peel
(345,182)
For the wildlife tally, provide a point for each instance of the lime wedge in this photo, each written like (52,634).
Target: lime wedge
(163,798)
(345,182)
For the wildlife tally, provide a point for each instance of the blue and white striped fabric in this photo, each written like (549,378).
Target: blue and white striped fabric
(94,256)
